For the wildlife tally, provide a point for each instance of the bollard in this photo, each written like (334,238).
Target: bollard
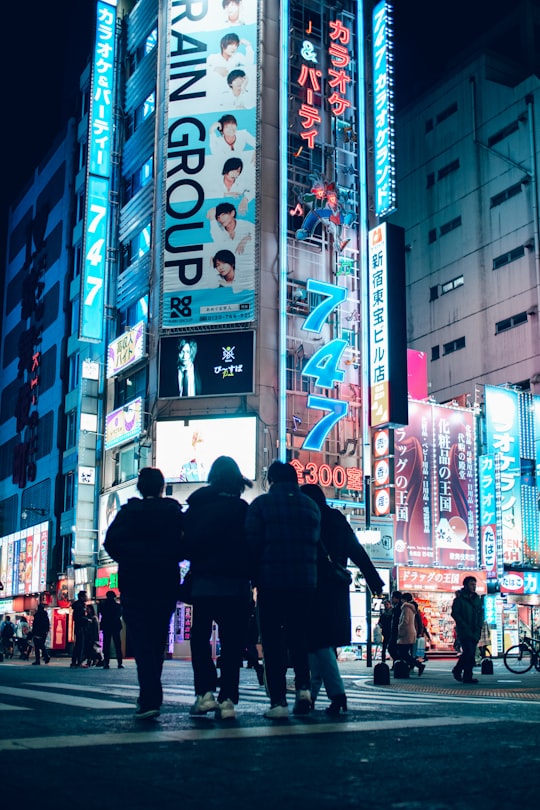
(401,669)
(487,666)
(381,674)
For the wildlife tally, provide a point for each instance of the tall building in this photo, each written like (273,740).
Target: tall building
(213,285)
(467,173)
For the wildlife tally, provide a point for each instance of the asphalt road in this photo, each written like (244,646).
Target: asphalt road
(426,742)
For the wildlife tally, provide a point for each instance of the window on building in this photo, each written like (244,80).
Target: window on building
(73,372)
(45,435)
(503,133)
(435,352)
(126,462)
(510,256)
(129,388)
(135,248)
(138,179)
(434,293)
(150,42)
(77,260)
(454,346)
(132,314)
(75,313)
(149,106)
(510,323)
(448,169)
(9,515)
(47,369)
(430,180)
(448,286)
(69,491)
(450,226)
(432,236)
(503,196)
(71,429)
(446,113)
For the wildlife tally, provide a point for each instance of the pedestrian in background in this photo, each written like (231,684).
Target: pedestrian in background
(407,633)
(468,614)
(92,650)
(40,629)
(283,532)
(80,623)
(148,532)
(111,626)
(385,623)
(396,615)
(330,620)
(21,634)
(215,545)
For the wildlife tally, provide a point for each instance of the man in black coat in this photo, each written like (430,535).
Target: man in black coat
(111,625)
(80,623)
(147,534)
(40,629)
(396,614)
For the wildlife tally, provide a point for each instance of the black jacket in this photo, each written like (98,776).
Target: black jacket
(145,539)
(331,620)
(41,624)
(215,543)
(110,612)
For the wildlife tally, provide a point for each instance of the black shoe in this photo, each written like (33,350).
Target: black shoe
(121,666)
(457,674)
(36,663)
(46,660)
(470,680)
(106,666)
(339,703)
(421,668)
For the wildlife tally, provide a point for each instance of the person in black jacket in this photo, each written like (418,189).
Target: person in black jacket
(111,625)
(148,533)
(216,548)
(40,629)
(80,623)
(283,532)
(397,600)
(330,621)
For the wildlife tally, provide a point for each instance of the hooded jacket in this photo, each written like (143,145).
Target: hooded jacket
(145,539)
(407,624)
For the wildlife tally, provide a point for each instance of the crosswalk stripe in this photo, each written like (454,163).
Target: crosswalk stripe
(66,700)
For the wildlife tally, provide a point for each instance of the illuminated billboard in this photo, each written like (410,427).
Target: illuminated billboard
(186,448)
(100,144)
(435,487)
(126,350)
(387,327)
(23,560)
(200,365)
(124,424)
(383,109)
(210,244)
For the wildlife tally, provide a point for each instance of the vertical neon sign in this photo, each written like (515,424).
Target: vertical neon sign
(100,136)
(383,113)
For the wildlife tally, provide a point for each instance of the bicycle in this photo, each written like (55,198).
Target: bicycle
(523,656)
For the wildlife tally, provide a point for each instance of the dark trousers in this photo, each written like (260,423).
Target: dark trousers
(148,630)
(404,653)
(284,620)
(466,660)
(77,656)
(115,636)
(39,647)
(231,614)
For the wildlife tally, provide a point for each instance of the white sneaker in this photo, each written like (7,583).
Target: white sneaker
(203,704)
(303,702)
(225,710)
(278,712)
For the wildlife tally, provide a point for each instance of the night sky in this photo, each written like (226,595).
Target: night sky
(46,43)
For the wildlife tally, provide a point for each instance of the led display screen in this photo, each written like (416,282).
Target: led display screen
(215,364)
(186,448)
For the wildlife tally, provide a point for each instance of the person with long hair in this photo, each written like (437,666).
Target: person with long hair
(330,621)
(216,549)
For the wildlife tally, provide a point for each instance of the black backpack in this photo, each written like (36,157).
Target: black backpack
(8,631)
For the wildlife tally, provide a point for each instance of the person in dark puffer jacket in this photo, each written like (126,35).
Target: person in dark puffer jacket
(283,532)
(146,533)
(216,548)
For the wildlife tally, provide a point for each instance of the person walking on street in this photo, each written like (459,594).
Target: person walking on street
(385,623)
(396,615)
(330,621)
(468,614)
(92,650)
(80,622)
(40,630)
(283,528)
(148,531)
(215,545)
(111,626)
(407,634)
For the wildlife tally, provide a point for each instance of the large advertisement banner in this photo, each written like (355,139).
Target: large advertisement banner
(23,560)
(209,274)
(436,515)
(503,438)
